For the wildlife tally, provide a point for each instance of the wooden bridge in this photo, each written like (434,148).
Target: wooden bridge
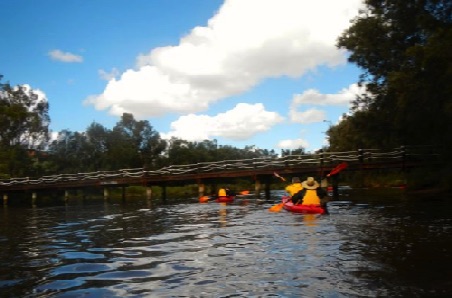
(261,170)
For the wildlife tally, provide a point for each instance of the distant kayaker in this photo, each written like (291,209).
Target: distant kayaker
(294,187)
(222,192)
(311,193)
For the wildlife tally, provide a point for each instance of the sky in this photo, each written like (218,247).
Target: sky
(263,73)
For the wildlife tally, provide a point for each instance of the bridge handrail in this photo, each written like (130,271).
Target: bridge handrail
(323,158)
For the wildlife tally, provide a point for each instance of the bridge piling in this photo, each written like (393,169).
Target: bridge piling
(106,193)
(257,188)
(164,193)
(5,199)
(267,190)
(148,193)
(34,197)
(201,190)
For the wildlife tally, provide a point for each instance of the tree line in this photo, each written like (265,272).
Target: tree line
(26,148)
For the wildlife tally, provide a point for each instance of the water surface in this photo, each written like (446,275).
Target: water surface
(384,246)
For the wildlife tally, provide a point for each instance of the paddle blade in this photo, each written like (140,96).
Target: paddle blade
(276,208)
(244,192)
(204,199)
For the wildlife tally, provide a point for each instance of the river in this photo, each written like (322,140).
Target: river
(388,245)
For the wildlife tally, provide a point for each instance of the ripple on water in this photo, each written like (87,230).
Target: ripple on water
(60,285)
(81,255)
(81,268)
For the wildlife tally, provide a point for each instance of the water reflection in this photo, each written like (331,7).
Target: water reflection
(106,249)
(222,212)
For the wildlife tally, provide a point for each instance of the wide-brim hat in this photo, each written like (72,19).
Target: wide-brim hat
(310,183)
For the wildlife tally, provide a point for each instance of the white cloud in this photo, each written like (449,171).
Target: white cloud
(313,97)
(343,97)
(293,144)
(309,116)
(61,56)
(245,43)
(240,123)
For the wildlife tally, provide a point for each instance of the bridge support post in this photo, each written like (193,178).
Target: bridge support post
(106,195)
(34,196)
(5,199)
(148,193)
(267,190)
(66,195)
(201,190)
(123,193)
(257,188)
(361,165)
(335,184)
(164,193)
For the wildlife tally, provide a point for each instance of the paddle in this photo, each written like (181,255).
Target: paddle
(334,171)
(280,177)
(277,207)
(338,168)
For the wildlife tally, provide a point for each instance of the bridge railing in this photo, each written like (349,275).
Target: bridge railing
(308,160)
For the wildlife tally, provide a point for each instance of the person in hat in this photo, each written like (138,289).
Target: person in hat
(294,188)
(312,193)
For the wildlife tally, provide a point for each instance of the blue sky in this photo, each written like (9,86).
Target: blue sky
(245,72)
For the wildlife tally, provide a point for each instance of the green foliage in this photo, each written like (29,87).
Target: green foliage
(130,144)
(70,152)
(24,117)
(133,144)
(403,47)
(24,124)
(184,152)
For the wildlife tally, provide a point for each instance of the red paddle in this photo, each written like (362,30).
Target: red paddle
(277,207)
(338,168)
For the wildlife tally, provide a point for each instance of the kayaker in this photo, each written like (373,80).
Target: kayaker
(222,192)
(294,188)
(311,194)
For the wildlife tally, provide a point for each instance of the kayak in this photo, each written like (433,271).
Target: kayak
(225,199)
(311,209)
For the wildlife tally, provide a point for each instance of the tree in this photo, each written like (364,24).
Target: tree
(24,122)
(97,138)
(403,46)
(71,153)
(134,144)
(24,117)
